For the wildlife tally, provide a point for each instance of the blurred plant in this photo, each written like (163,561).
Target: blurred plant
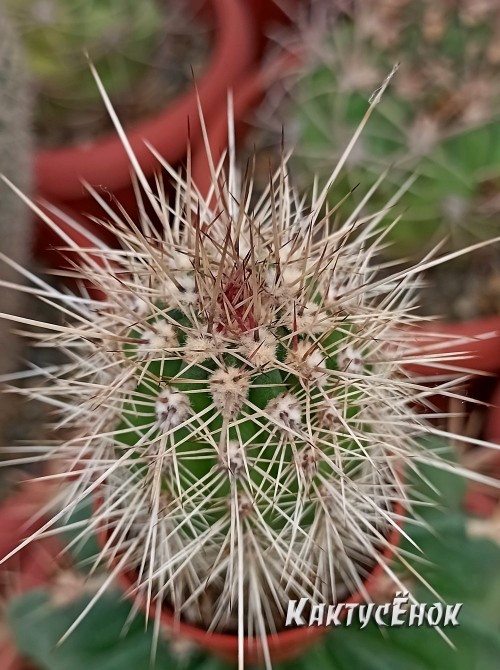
(439,118)
(132,44)
(237,401)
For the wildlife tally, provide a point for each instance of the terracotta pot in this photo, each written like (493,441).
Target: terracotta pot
(283,646)
(480,342)
(247,95)
(59,172)
(484,500)
(63,234)
(493,422)
(33,565)
(267,13)
(10,659)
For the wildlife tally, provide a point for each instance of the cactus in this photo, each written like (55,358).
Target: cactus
(237,402)
(438,118)
(15,162)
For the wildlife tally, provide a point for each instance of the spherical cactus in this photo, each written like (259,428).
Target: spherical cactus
(239,412)
(237,404)
(438,119)
(247,407)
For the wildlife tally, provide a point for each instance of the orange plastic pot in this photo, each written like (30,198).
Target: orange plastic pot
(282,646)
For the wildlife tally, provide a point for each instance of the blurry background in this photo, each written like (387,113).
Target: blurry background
(302,74)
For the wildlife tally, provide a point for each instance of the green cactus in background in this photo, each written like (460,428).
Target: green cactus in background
(15,163)
(438,119)
(125,39)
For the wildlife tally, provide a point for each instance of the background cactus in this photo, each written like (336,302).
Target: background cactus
(439,117)
(137,48)
(15,163)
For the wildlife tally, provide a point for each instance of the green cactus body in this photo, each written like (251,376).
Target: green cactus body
(260,409)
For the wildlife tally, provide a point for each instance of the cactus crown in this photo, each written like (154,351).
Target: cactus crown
(237,399)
